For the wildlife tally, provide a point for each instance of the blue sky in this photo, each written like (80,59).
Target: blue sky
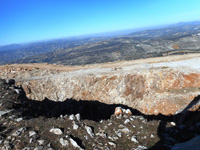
(33,20)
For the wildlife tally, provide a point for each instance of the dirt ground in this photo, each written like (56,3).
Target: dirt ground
(62,68)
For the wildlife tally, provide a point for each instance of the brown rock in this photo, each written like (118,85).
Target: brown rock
(118,110)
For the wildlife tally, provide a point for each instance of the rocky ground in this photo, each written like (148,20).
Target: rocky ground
(28,124)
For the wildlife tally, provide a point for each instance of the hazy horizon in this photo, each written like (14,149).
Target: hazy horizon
(93,34)
(28,21)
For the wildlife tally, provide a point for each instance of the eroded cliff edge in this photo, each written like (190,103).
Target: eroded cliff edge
(158,85)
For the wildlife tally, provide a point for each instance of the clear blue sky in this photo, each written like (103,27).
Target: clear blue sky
(30,20)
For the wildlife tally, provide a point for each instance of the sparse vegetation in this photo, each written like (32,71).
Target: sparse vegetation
(143,44)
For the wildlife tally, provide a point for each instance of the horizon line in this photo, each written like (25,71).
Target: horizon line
(98,34)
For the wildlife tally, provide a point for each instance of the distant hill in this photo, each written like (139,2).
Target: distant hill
(11,46)
(174,39)
(13,52)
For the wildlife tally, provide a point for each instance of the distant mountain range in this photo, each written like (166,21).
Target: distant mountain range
(168,40)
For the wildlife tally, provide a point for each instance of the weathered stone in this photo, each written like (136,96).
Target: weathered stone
(75,126)
(19,119)
(74,143)
(133,139)
(71,117)
(118,133)
(18,132)
(4,112)
(89,131)
(152,136)
(140,147)
(126,121)
(41,142)
(128,112)
(78,117)
(118,110)
(112,144)
(32,133)
(64,142)
(124,130)
(173,123)
(56,131)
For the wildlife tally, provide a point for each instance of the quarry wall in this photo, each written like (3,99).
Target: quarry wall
(151,88)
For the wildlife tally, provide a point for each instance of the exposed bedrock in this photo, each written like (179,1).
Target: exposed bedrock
(151,91)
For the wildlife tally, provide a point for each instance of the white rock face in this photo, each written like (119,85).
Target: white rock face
(19,119)
(4,112)
(41,142)
(133,139)
(32,133)
(112,144)
(89,131)
(126,121)
(18,132)
(17,91)
(75,144)
(75,126)
(125,130)
(140,147)
(71,117)
(118,133)
(78,117)
(173,123)
(64,142)
(152,136)
(56,131)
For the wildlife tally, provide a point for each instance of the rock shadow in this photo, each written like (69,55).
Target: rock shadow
(91,110)
(186,126)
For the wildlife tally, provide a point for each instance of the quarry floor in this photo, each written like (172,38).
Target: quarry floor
(187,60)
